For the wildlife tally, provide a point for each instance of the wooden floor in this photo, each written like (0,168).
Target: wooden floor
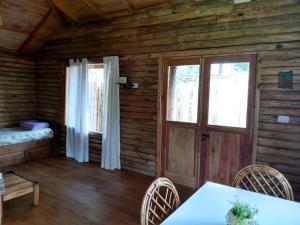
(71,194)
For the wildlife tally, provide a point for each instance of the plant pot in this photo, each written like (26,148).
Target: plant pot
(233,220)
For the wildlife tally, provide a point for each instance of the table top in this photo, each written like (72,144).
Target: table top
(14,182)
(210,204)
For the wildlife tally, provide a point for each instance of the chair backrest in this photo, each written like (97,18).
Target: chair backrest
(265,180)
(160,200)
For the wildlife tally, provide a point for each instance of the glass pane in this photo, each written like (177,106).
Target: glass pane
(95,107)
(228,94)
(183,87)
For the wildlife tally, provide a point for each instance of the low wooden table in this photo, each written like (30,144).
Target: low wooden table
(16,186)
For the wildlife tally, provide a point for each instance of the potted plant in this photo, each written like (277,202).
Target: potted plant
(241,214)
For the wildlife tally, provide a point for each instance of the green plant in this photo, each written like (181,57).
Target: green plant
(242,212)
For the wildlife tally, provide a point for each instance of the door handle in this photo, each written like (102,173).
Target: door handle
(204,136)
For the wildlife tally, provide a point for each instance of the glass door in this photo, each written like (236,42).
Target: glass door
(180,122)
(226,137)
(207,121)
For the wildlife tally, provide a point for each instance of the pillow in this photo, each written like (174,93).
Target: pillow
(33,124)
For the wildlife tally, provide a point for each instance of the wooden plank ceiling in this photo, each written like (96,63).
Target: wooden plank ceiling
(25,25)
(89,10)
(23,21)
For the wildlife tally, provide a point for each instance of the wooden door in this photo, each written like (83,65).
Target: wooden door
(180,120)
(209,139)
(226,130)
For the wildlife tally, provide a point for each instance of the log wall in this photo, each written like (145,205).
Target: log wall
(17,89)
(270,28)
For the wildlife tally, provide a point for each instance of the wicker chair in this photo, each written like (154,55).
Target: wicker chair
(265,180)
(160,200)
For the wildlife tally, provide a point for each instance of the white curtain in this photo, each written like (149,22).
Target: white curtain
(111,116)
(77,143)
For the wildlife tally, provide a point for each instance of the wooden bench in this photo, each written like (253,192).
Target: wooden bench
(16,186)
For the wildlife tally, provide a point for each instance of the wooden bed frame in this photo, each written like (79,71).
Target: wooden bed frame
(18,153)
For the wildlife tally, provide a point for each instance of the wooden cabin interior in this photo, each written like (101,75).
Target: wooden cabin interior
(121,92)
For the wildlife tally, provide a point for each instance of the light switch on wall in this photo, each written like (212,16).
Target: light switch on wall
(241,1)
(123,80)
(283,119)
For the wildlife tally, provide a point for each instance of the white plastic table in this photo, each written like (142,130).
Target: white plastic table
(210,204)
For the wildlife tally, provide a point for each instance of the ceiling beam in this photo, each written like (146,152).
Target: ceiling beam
(94,6)
(56,12)
(1,17)
(61,6)
(36,29)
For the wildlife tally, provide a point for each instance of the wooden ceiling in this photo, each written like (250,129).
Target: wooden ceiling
(87,10)
(25,25)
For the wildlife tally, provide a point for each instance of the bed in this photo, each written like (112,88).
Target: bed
(15,135)
(18,145)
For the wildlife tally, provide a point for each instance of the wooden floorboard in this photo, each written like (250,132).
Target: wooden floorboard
(75,194)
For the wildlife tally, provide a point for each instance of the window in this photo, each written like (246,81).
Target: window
(228,94)
(183,89)
(96,75)
(95,102)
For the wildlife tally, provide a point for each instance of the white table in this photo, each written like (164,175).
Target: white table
(210,204)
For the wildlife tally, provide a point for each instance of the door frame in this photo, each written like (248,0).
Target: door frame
(202,57)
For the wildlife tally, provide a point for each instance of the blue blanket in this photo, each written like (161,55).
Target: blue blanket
(18,135)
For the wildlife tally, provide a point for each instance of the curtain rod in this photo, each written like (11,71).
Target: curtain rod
(91,59)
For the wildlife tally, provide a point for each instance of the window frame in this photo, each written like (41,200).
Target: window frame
(179,62)
(66,65)
(169,91)
(251,58)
